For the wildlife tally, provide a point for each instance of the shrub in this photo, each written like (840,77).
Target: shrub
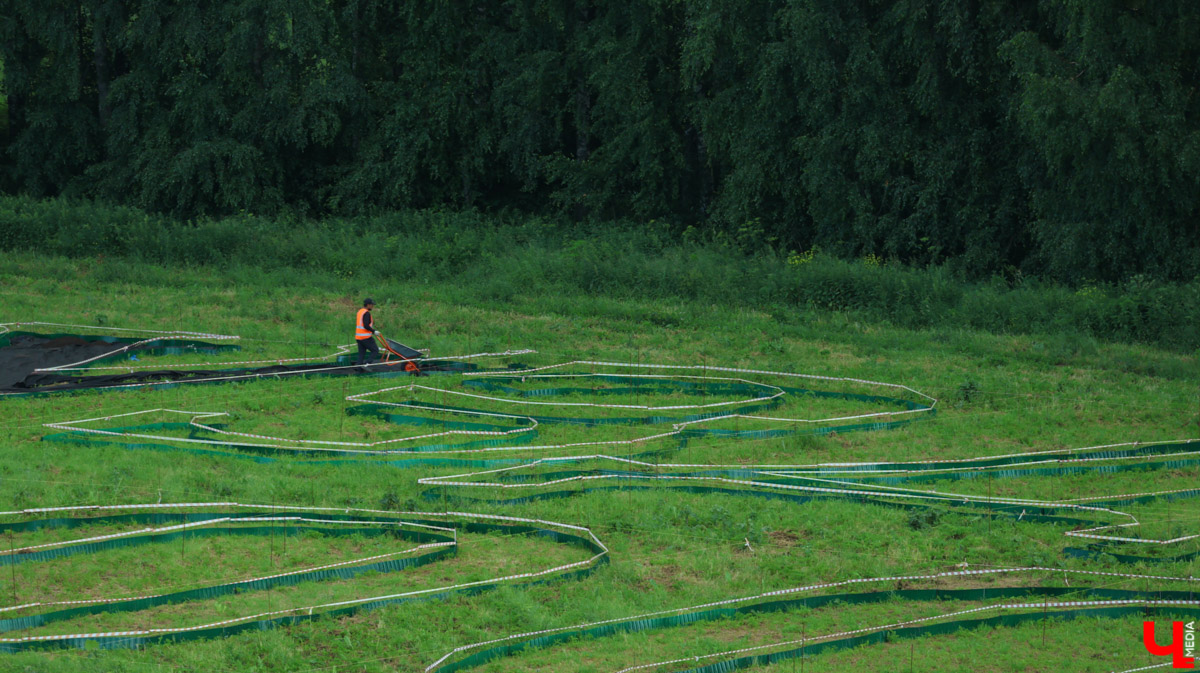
(499,257)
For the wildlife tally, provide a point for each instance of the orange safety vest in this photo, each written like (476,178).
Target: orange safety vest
(361,332)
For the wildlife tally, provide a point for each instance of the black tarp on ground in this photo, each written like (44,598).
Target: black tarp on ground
(26,352)
(57,382)
(23,353)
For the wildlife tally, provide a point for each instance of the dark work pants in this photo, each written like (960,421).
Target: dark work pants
(365,346)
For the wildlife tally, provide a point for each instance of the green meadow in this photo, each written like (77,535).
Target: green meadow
(684,506)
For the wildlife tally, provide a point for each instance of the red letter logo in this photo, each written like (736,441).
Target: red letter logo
(1175,649)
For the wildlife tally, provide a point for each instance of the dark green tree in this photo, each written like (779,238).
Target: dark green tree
(1111,118)
(1056,138)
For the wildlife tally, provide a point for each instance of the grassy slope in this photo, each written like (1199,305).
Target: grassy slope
(999,394)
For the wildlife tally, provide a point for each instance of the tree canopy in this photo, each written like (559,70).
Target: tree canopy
(1059,138)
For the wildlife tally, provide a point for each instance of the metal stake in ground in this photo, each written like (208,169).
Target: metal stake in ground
(637,392)
(12,550)
(803,643)
(182,538)
(285,537)
(342,416)
(1045,606)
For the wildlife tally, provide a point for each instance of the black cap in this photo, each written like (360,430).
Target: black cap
(368,302)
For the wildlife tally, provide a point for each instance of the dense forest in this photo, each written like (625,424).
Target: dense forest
(1059,138)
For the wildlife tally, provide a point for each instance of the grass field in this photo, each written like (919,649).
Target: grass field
(723,527)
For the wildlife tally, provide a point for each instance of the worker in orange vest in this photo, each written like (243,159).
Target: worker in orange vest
(364,333)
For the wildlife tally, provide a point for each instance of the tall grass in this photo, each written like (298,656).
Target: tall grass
(501,256)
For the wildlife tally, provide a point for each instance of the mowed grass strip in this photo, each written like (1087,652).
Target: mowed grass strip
(479,558)
(705,643)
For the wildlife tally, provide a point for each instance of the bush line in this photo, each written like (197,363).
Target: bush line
(498,256)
